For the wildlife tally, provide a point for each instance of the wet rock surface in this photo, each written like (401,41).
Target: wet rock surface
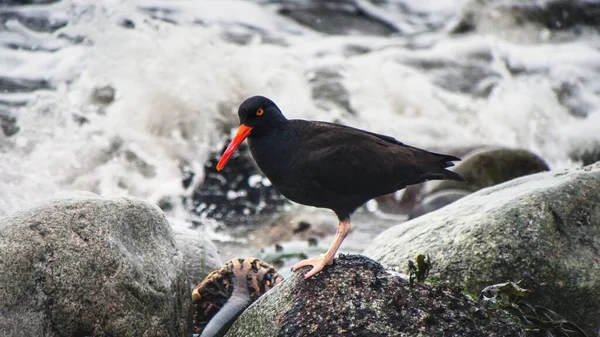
(103,95)
(553,15)
(557,14)
(337,17)
(8,123)
(8,84)
(543,229)
(358,297)
(27,2)
(436,201)
(329,90)
(36,19)
(488,167)
(238,194)
(474,76)
(86,265)
(200,254)
(587,156)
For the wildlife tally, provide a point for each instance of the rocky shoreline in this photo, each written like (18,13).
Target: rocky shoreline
(513,251)
(92,266)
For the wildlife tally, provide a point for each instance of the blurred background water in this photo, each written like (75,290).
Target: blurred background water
(139,97)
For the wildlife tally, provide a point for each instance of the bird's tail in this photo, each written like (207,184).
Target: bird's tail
(442,173)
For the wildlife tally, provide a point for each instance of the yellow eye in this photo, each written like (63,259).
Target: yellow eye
(260,111)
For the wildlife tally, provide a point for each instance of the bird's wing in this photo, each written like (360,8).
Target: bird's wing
(348,160)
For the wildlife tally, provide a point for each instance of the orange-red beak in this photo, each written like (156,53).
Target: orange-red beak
(242,132)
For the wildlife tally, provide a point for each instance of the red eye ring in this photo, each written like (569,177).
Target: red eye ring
(260,111)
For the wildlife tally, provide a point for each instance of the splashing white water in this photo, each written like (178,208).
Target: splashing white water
(177,85)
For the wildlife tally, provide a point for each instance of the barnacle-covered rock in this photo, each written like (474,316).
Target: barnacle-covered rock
(358,297)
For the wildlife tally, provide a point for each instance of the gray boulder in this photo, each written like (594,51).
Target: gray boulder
(435,201)
(564,18)
(543,229)
(8,123)
(339,17)
(481,167)
(200,254)
(358,297)
(586,155)
(90,266)
(488,167)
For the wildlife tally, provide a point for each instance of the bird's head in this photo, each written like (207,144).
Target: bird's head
(257,114)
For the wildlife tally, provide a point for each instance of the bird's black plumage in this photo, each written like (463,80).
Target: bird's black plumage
(330,165)
(334,166)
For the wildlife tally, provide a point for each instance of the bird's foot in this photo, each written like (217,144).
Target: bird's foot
(317,263)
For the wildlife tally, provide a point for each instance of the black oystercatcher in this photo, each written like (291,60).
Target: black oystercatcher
(330,165)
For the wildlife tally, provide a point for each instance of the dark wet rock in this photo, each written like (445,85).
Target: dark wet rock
(87,265)
(187,175)
(162,13)
(14,102)
(103,95)
(166,203)
(571,97)
(587,155)
(302,223)
(200,254)
(476,79)
(39,20)
(9,84)
(244,35)
(75,39)
(553,15)
(27,2)
(328,89)
(543,229)
(473,76)
(488,167)
(80,120)
(138,163)
(358,297)
(558,14)
(463,24)
(400,203)
(337,17)
(238,194)
(127,23)
(8,123)
(355,50)
(437,200)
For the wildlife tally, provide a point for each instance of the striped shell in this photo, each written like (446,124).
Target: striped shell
(215,290)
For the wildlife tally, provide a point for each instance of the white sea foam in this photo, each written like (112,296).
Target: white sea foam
(177,83)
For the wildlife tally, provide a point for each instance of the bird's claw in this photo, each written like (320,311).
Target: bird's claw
(317,263)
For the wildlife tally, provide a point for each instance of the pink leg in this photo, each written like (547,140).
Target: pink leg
(319,262)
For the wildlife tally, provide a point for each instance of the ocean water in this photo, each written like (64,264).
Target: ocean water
(179,69)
